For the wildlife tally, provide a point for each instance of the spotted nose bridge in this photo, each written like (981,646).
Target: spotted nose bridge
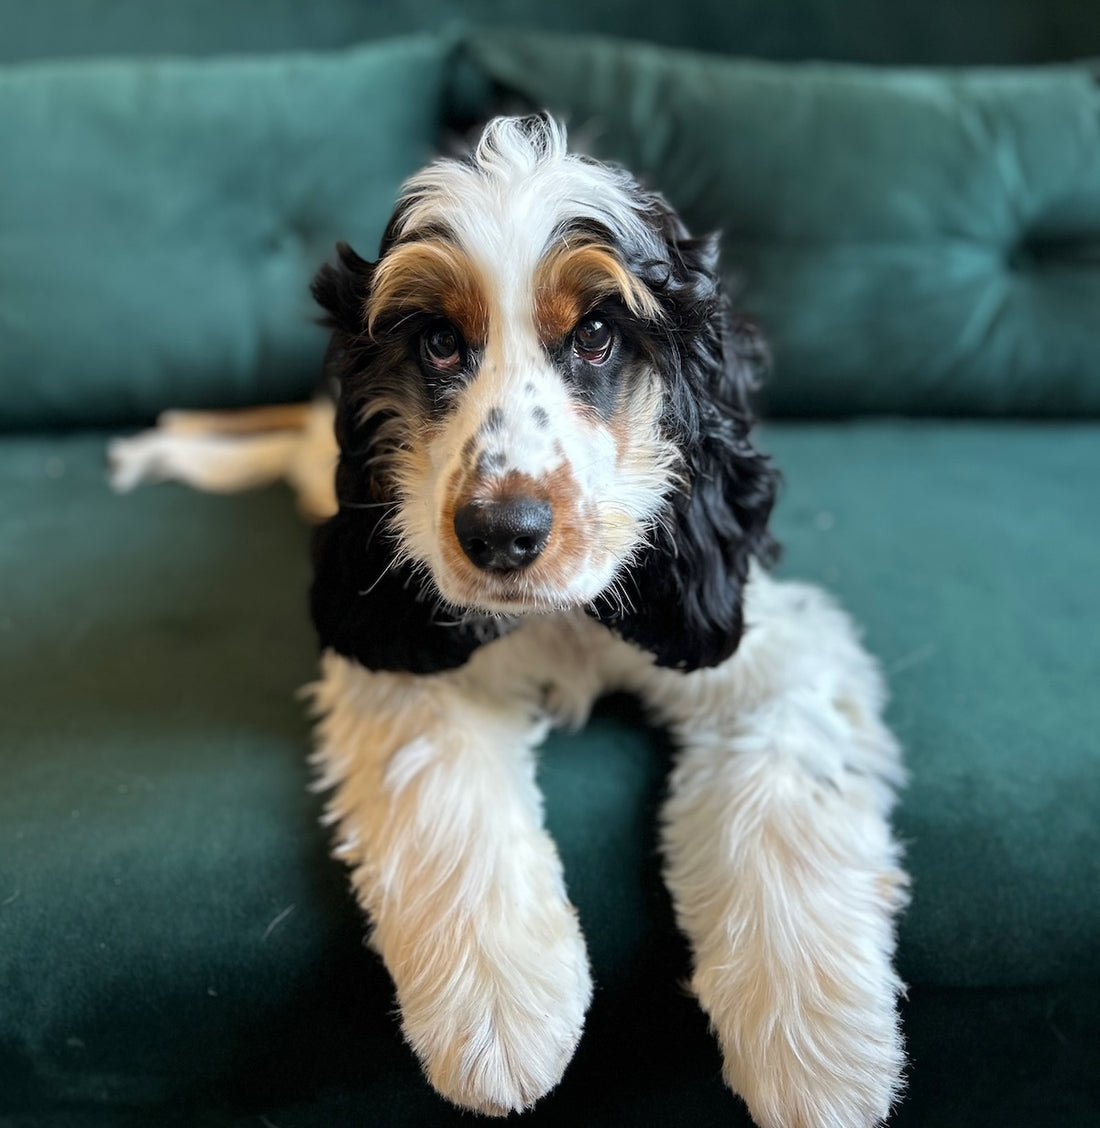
(513,438)
(505,511)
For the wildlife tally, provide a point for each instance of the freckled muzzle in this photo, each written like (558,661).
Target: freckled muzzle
(503,534)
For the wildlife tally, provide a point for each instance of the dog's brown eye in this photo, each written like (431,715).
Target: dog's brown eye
(592,340)
(441,345)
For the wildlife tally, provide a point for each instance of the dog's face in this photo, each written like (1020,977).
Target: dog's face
(520,374)
(530,375)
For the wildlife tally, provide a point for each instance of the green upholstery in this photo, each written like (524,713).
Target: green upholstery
(176,947)
(966,553)
(160,220)
(905,31)
(150,215)
(914,241)
(172,935)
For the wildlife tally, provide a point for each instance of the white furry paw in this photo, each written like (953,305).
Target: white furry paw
(825,1052)
(495,1018)
(134,460)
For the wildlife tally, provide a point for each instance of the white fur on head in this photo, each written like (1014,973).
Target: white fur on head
(539,336)
(515,421)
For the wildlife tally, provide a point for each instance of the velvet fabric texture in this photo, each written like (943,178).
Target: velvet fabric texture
(160,220)
(917,242)
(923,242)
(176,947)
(175,942)
(905,31)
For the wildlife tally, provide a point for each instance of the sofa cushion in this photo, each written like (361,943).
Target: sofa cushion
(172,932)
(909,31)
(160,220)
(925,242)
(967,553)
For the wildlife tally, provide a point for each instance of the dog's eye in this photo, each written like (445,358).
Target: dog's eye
(441,346)
(592,340)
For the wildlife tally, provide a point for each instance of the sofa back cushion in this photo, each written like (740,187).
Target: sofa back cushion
(901,31)
(160,220)
(916,241)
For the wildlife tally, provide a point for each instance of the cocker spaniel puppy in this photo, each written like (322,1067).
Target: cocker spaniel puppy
(547,488)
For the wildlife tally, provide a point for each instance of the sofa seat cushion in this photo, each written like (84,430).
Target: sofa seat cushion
(172,933)
(916,241)
(968,554)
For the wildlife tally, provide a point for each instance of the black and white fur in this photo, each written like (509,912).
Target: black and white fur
(596,374)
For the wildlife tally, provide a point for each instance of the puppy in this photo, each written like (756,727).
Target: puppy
(546,489)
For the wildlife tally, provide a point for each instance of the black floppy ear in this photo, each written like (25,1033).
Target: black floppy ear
(341,290)
(368,602)
(683,592)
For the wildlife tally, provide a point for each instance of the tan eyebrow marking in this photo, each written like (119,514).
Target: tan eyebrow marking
(433,276)
(571,279)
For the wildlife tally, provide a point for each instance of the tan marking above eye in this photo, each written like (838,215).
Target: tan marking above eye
(571,280)
(432,276)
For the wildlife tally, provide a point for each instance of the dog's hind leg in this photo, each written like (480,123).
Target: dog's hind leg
(229,451)
(240,421)
(781,864)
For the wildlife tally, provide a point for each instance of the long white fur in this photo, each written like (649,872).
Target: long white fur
(519,187)
(437,811)
(778,851)
(778,854)
(781,863)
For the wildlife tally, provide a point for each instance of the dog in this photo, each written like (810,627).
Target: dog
(547,488)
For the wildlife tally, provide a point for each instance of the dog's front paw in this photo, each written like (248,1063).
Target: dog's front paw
(819,1052)
(494,1012)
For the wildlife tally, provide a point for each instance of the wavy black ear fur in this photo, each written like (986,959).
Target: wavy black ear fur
(366,603)
(684,591)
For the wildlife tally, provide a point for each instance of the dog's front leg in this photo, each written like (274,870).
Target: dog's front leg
(781,864)
(437,811)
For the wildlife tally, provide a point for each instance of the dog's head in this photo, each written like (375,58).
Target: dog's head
(543,404)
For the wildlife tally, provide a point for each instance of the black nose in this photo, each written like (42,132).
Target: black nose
(501,536)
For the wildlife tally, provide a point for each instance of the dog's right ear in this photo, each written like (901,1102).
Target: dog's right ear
(342,290)
(369,602)
(369,606)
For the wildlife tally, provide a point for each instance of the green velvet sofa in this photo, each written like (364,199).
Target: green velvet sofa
(920,237)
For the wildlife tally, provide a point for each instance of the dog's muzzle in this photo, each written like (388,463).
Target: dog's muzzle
(503,535)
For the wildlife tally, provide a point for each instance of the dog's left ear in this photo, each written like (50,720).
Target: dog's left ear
(680,599)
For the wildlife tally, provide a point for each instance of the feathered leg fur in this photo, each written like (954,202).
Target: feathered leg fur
(781,864)
(438,814)
(462,362)
(779,856)
(228,451)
